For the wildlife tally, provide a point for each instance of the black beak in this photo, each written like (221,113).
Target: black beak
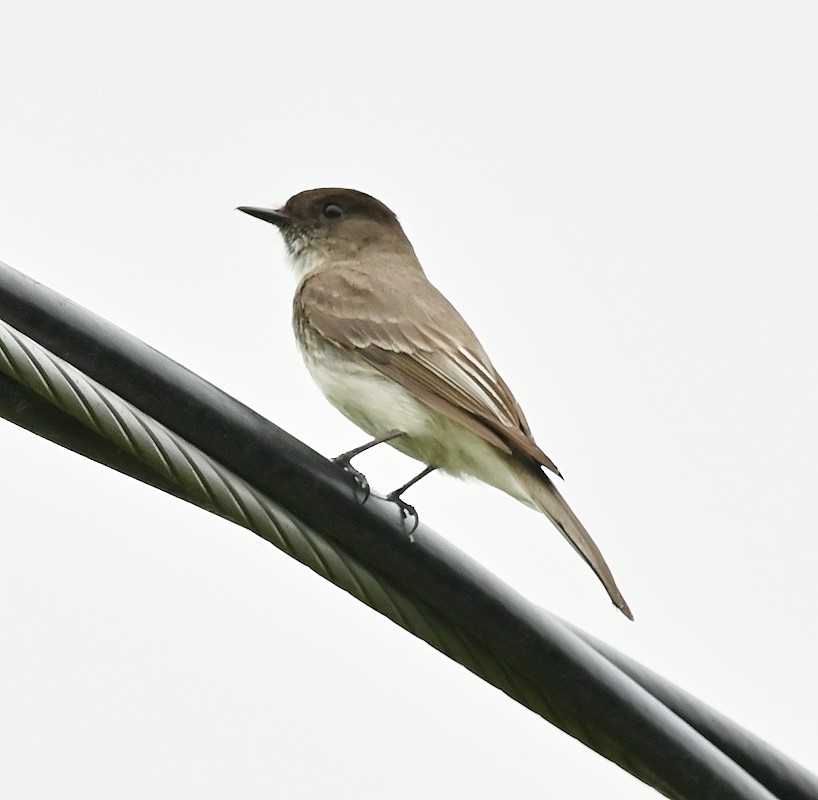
(278,218)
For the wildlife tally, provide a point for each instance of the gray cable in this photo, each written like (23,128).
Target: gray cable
(645,737)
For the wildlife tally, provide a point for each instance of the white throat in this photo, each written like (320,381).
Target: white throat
(304,256)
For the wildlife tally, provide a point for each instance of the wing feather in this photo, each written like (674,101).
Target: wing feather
(414,336)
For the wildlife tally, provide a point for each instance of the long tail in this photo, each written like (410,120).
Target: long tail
(546,498)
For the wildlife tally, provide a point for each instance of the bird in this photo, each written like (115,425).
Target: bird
(392,354)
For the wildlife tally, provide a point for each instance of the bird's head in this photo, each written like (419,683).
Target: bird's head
(334,225)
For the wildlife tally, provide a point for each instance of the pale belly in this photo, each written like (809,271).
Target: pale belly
(377,405)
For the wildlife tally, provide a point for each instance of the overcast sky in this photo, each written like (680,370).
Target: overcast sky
(620,198)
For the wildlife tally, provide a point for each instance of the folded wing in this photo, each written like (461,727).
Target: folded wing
(416,337)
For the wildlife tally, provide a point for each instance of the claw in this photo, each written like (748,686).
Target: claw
(345,460)
(406,511)
(357,476)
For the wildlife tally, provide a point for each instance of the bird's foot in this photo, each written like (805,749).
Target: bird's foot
(361,483)
(345,460)
(406,512)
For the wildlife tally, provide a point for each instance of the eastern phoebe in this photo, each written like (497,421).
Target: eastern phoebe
(392,354)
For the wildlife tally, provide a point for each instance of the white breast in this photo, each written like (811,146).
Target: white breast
(361,393)
(377,405)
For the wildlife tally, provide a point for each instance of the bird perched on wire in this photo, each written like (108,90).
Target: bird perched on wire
(392,354)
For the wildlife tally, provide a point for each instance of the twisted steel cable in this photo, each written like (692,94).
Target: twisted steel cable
(204,482)
(526,653)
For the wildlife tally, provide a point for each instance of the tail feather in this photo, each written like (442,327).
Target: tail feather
(546,498)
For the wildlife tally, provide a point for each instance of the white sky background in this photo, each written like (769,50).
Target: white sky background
(620,198)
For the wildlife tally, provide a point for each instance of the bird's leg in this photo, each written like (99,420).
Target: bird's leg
(405,509)
(345,460)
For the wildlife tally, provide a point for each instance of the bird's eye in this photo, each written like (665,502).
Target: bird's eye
(333,211)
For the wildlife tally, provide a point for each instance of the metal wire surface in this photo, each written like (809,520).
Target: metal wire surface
(209,485)
(195,476)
